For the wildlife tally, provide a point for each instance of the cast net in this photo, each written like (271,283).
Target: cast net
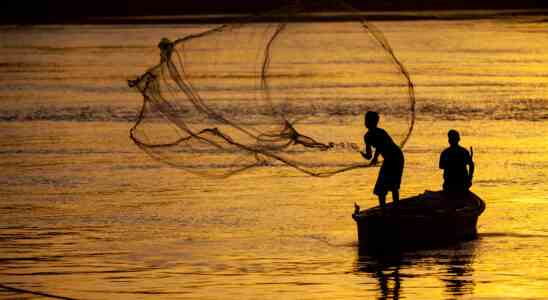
(289,88)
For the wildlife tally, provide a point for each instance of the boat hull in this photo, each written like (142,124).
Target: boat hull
(428,219)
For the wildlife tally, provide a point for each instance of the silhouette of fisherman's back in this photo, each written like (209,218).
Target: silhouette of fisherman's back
(457,165)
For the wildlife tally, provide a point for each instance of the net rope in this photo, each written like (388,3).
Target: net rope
(288,88)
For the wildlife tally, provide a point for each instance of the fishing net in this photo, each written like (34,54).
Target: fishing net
(288,88)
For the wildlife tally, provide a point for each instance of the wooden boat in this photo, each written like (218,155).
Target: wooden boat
(427,219)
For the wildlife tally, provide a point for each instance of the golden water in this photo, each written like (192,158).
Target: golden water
(85,214)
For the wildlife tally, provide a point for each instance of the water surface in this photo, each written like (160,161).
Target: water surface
(85,214)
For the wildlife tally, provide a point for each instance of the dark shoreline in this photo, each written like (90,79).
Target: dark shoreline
(542,14)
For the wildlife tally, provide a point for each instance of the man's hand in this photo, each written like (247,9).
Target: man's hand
(366,155)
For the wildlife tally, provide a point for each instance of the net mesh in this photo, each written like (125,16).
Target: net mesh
(287,88)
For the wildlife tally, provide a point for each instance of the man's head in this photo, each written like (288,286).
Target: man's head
(371,119)
(454,137)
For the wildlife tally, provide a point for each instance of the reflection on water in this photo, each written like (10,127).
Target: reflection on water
(392,267)
(386,269)
(458,281)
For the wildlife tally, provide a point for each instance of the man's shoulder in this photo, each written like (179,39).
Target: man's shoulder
(458,150)
(463,150)
(446,151)
(380,132)
(375,132)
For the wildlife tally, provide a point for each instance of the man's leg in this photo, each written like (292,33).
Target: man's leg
(382,201)
(396,197)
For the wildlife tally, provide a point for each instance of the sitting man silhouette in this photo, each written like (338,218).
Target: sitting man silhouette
(457,178)
(389,178)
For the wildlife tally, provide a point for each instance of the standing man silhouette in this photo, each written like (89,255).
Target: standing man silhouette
(389,178)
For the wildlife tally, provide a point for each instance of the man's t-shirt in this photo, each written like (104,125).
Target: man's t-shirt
(453,161)
(382,142)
